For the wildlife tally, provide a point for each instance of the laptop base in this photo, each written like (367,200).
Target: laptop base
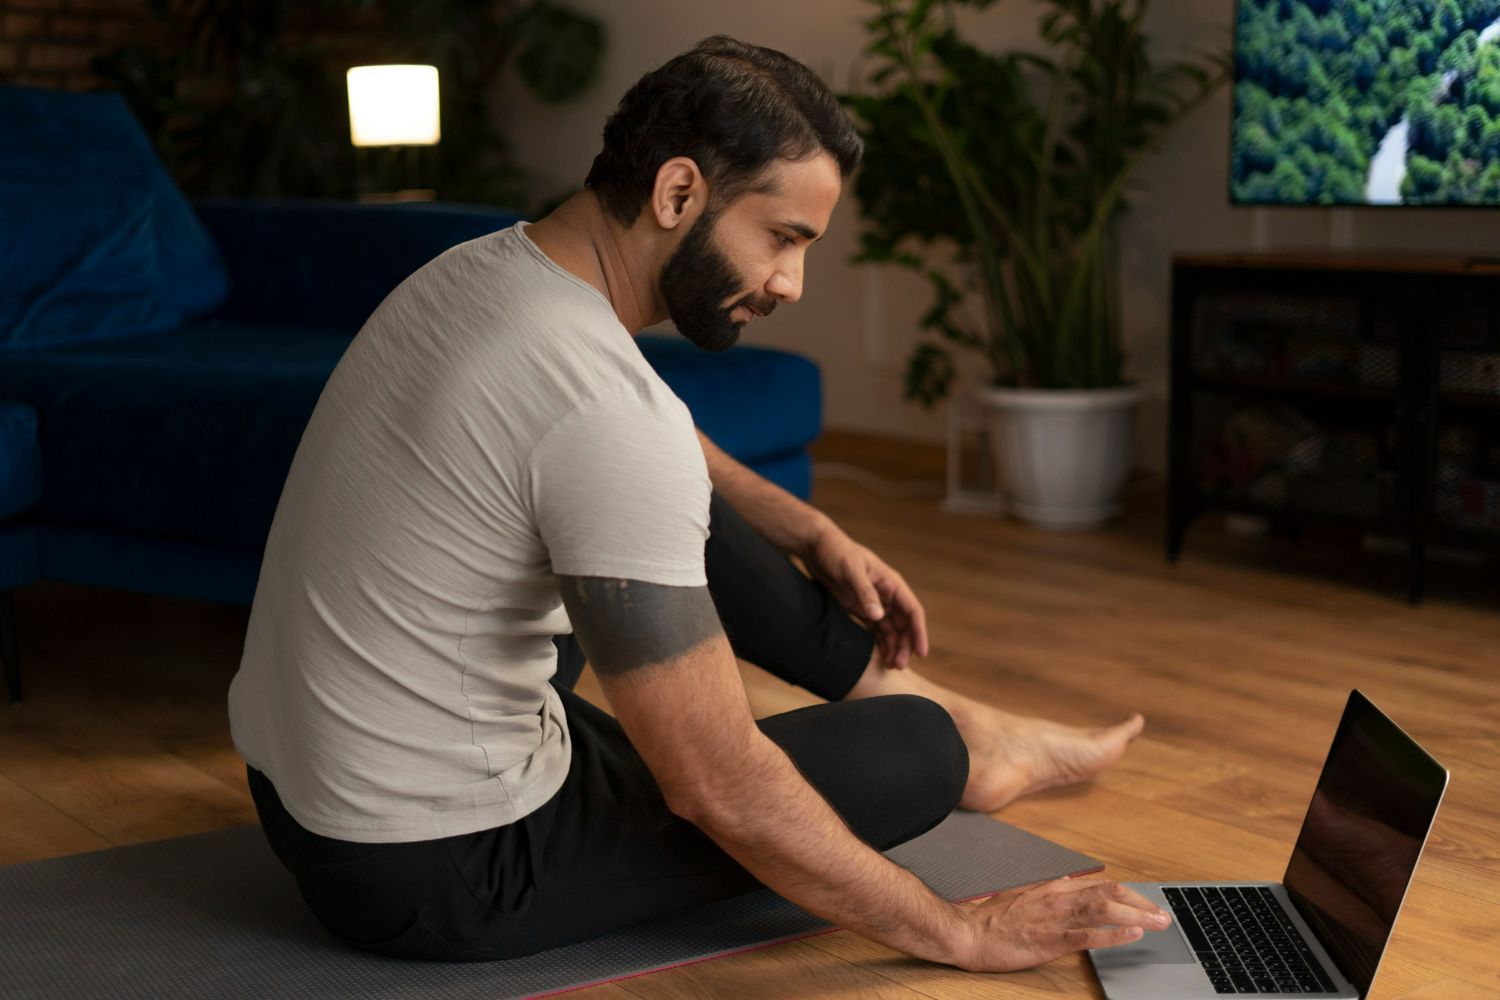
(1162,965)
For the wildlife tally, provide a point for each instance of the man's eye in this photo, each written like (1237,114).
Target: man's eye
(782,240)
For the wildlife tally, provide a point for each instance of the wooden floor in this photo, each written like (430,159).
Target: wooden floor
(1241,657)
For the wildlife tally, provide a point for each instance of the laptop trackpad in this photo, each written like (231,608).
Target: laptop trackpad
(1155,948)
(1166,947)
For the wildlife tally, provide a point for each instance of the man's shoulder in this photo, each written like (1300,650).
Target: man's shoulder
(492,326)
(492,295)
(495,266)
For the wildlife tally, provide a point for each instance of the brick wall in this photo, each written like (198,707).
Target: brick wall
(48,43)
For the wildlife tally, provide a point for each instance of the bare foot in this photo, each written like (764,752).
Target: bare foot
(1011,755)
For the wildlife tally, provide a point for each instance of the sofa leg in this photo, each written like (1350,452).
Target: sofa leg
(10,651)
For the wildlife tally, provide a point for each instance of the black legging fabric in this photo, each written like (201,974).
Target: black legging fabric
(605,852)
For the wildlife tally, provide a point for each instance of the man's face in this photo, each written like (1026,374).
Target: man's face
(737,262)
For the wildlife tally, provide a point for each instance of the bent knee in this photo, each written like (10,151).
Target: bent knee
(923,729)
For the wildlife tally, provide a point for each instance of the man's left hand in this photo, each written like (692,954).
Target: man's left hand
(872,592)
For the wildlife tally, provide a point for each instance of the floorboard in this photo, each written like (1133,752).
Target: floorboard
(1241,656)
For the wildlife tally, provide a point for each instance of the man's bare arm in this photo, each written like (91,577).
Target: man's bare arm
(789,523)
(668,672)
(861,581)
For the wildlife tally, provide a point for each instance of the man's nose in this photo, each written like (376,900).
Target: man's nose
(786,285)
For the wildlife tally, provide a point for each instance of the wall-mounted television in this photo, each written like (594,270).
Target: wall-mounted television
(1366,102)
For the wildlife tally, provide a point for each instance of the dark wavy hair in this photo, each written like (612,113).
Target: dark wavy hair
(733,108)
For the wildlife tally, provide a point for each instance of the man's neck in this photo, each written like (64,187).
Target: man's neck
(584,240)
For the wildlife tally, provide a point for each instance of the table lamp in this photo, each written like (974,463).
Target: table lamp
(393,111)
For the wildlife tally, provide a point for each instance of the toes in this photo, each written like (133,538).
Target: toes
(1127,730)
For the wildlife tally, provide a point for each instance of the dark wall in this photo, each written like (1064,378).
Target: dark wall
(48,43)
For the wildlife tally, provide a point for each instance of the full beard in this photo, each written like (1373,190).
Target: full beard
(696,279)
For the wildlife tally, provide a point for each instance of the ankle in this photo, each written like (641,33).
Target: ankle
(879,679)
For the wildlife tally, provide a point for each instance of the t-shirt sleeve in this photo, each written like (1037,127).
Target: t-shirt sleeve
(619,488)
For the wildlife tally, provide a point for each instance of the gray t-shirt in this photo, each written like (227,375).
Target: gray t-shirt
(493,426)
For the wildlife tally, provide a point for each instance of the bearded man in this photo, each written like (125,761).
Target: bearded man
(495,485)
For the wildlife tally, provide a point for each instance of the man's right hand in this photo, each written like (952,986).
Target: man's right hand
(1026,927)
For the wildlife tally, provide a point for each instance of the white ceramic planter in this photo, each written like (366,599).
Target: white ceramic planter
(1062,454)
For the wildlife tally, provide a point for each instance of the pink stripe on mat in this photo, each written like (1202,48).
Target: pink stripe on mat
(760,946)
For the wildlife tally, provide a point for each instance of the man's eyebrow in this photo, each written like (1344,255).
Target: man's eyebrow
(803,230)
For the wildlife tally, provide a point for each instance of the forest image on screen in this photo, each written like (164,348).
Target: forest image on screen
(1383,102)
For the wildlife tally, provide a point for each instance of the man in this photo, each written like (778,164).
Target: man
(495,484)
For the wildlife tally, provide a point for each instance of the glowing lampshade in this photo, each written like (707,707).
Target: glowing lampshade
(393,105)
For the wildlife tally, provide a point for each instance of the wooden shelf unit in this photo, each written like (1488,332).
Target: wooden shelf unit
(1354,388)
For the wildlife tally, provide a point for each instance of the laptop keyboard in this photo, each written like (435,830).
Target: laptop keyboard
(1244,941)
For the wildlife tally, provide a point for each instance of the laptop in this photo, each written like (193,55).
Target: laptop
(1321,931)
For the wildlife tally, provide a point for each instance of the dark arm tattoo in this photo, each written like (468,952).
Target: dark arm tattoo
(627,624)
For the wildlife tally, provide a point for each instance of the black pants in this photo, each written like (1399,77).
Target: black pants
(606,852)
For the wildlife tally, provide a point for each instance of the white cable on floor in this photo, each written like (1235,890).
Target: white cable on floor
(878,485)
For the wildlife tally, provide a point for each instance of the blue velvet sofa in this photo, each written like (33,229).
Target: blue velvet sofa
(159,359)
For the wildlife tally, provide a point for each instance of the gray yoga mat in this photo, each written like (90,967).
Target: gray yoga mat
(215,915)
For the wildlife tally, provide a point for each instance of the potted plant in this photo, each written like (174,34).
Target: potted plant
(1001,177)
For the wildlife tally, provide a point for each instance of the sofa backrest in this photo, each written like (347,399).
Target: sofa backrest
(330,263)
(96,241)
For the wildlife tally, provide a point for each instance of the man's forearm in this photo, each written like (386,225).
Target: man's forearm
(789,523)
(743,791)
(786,835)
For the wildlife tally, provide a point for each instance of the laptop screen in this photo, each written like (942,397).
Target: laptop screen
(1369,817)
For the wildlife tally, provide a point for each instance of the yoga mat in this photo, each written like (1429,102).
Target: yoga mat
(215,915)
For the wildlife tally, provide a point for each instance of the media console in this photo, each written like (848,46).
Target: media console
(1335,387)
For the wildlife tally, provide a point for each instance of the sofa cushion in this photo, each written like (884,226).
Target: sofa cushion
(80,263)
(59,148)
(185,435)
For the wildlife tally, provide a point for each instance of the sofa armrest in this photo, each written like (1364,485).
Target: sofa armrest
(20,459)
(330,263)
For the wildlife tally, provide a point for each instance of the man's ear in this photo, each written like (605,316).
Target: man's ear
(679,194)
